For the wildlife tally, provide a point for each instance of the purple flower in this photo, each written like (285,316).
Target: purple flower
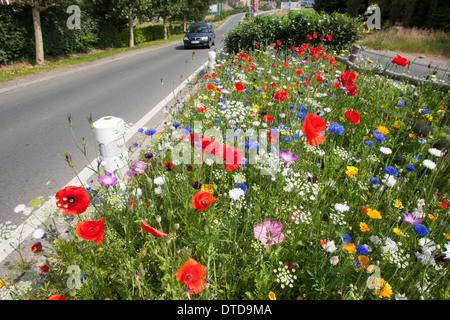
(139,167)
(410,219)
(287,156)
(269,232)
(107,180)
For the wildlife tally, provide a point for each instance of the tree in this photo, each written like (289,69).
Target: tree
(37,6)
(192,10)
(132,9)
(165,9)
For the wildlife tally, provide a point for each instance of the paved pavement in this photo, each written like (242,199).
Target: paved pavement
(420,64)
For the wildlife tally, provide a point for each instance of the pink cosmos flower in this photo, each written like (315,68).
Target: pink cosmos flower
(269,232)
(107,180)
(410,219)
(287,156)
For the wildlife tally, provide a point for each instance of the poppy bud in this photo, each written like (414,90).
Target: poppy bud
(158,218)
(176,226)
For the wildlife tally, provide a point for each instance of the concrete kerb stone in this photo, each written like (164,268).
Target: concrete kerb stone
(154,118)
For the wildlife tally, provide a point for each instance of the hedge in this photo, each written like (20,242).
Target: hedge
(141,35)
(293,29)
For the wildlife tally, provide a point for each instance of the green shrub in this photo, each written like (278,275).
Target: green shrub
(293,30)
(141,35)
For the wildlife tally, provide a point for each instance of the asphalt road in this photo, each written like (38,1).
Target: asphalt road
(33,114)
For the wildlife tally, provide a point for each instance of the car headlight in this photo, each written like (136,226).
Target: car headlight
(186,39)
(204,38)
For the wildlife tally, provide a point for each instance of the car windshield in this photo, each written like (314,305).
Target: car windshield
(198,29)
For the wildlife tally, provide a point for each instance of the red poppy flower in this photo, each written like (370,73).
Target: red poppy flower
(257,46)
(57,297)
(210,86)
(91,230)
(72,200)
(36,247)
(202,200)
(348,78)
(313,127)
(208,145)
(232,157)
(319,77)
(329,37)
(239,86)
(285,64)
(352,116)
(268,119)
(44,268)
(278,42)
(192,274)
(280,95)
(153,231)
(400,61)
(168,164)
(273,84)
(309,36)
(272,137)
(315,35)
(298,71)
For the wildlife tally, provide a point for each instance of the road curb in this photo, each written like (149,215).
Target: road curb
(41,216)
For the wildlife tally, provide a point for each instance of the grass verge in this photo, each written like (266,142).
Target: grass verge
(414,40)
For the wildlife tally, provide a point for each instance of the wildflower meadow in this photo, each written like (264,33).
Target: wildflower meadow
(281,175)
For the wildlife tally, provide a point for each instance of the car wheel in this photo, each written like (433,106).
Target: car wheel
(186,46)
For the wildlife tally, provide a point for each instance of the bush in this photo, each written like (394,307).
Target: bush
(141,35)
(294,29)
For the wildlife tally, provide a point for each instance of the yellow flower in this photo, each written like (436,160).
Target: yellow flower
(2,283)
(373,214)
(350,247)
(398,204)
(208,188)
(397,231)
(159,134)
(383,288)
(351,171)
(431,217)
(364,227)
(272,296)
(384,131)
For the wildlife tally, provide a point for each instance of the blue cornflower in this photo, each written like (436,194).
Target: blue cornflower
(425,111)
(301,115)
(241,186)
(374,180)
(362,250)
(368,143)
(379,137)
(140,130)
(150,132)
(401,103)
(345,238)
(336,128)
(186,130)
(302,109)
(135,144)
(216,120)
(420,230)
(410,168)
(390,170)
(176,125)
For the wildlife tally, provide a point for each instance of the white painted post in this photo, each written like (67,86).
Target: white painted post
(109,133)
(211,59)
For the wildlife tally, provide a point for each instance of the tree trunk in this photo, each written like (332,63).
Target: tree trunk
(130,24)
(165,28)
(39,44)
(184,24)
